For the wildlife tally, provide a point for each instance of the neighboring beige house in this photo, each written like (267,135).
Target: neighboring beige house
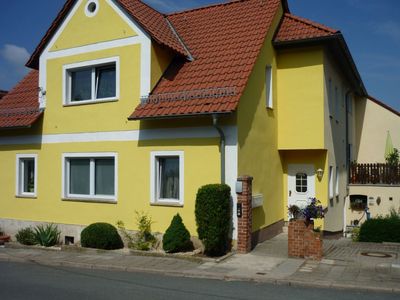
(373,120)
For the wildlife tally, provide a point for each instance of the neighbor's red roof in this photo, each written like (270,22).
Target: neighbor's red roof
(225,41)
(295,28)
(20,107)
(149,19)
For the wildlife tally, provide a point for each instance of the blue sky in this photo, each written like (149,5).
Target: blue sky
(371,29)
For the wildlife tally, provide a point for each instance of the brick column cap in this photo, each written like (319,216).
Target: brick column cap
(245,178)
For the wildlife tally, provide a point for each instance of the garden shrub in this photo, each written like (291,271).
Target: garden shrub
(213,217)
(47,235)
(101,236)
(26,236)
(381,229)
(177,237)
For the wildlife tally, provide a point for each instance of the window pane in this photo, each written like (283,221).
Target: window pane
(79,180)
(105,78)
(29,175)
(104,182)
(169,177)
(81,85)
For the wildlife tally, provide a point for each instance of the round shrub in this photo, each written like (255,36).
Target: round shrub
(213,217)
(177,237)
(101,236)
(26,236)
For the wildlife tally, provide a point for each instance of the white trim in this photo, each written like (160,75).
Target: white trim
(154,155)
(66,84)
(88,13)
(231,170)
(87,198)
(143,38)
(19,175)
(330,194)
(121,136)
(337,182)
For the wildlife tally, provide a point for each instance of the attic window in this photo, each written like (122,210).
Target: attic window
(91,8)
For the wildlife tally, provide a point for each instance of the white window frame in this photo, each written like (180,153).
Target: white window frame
(65,195)
(337,182)
(330,182)
(269,87)
(154,200)
(67,69)
(19,181)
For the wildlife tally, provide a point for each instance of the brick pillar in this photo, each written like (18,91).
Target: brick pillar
(245,222)
(303,241)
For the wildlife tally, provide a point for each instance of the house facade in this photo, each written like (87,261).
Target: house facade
(127,109)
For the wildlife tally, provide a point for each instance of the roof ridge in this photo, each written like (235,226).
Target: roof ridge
(205,7)
(311,23)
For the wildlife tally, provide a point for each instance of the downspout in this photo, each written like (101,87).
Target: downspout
(221,146)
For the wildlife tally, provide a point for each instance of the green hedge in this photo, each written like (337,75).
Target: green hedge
(213,217)
(101,236)
(380,230)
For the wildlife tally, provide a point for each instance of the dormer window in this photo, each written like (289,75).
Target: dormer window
(94,81)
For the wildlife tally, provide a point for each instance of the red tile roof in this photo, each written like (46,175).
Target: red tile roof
(225,40)
(20,107)
(150,20)
(296,28)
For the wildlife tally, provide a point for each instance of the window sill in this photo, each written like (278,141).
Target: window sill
(91,200)
(88,102)
(26,196)
(167,203)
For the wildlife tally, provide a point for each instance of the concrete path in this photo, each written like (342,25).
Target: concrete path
(345,264)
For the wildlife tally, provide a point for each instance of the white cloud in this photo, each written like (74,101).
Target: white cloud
(16,56)
(12,65)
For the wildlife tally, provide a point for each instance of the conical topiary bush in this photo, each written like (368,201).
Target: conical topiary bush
(177,237)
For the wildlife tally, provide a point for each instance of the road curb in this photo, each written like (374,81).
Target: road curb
(202,274)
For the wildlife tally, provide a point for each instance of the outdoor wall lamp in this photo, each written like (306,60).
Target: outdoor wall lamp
(320,173)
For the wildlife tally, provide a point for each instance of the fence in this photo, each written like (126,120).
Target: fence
(374,174)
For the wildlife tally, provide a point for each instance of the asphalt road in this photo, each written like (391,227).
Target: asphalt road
(33,281)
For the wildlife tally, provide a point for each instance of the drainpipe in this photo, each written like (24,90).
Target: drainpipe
(221,146)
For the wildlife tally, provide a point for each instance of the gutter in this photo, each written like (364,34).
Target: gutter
(221,146)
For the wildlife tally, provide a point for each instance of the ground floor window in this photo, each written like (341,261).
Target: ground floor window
(90,176)
(167,177)
(26,175)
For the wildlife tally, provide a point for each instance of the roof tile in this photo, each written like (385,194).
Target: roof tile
(20,107)
(225,40)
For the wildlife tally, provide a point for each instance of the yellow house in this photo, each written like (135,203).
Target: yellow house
(127,109)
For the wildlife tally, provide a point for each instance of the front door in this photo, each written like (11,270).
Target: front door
(301,184)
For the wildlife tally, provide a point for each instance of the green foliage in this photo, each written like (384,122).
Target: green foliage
(355,234)
(381,229)
(213,217)
(177,237)
(26,236)
(47,235)
(101,236)
(144,239)
(393,158)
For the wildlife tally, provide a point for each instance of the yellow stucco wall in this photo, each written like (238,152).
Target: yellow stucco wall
(82,30)
(301,99)
(257,138)
(133,182)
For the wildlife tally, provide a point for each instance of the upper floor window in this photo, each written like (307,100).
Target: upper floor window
(268,87)
(92,81)
(26,175)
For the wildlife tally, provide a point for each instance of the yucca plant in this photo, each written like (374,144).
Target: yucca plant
(47,235)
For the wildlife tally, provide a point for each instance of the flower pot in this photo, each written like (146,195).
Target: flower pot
(4,239)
